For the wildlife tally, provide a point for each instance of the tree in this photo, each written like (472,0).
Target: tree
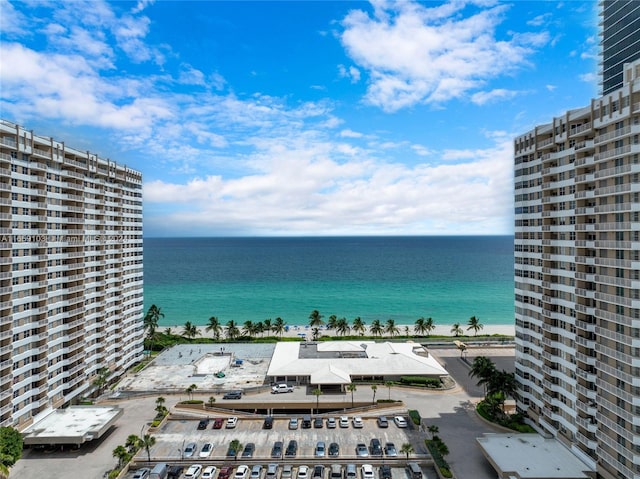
(391,328)
(317,392)
(351,388)
(150,322)
(211,401)
(482,368)
(190,390)
(102,379)
(406,449)
(389,385)
(267,325)
(214,327)
(148,441)
(442,448)
(342,326)
(190,330)
(315,321)
(433,430)
(232,330)
(122,455)
(419,328)
(501,385)
(456,329)
(376,328)
(248,328)
(132,444)
(10,447)
(374,388)
(474,323)
(359,326)
(279,327)
(332,322)
(160,408)
(235,446)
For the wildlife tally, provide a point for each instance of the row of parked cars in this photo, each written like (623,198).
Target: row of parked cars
(335,471)
(218,423)
(332,422)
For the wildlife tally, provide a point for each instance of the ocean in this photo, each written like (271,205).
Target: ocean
(447,278)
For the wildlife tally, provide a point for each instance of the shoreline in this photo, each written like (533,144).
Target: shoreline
(306,331)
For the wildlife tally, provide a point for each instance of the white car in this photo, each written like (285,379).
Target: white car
(193,472)
(142,473)
(331,422)
(209,472)
(357,422)
(231,422)
(293,423)
(242,472)
(367,471)
(344,421)
(303,472)
(206,449)
(400,421)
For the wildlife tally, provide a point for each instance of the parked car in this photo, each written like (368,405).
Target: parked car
(248,450)
(318,472)
(334,449)
(142,473)
(306,421)
(335,472)
(268,422)
(292,448)
(331,422)
(233,395)
(242,472)
(190,449)
(367,471)
(414,470)
(344,421)
(231,452)
(357,422)
(272,471)
(375,448)
(193,472)
(281,388)
(217,423)
(287,472)
(383,421)
(276,450)
(225,472)
(317,422)
(203,423)
(256,471)
(209,472)
(385,472)
(361,450)
(293,423)
(232,422)
(175,472)
(320,449)
(350,472)
(303,472)
(400,421)
(206,449)
(390,449)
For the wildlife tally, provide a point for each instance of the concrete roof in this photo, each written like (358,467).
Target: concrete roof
(531,456)
(72,425)
(344,359)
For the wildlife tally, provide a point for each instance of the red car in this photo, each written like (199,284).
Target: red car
(225,472)
(218,423)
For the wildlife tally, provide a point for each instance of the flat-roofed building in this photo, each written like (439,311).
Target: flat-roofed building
(70,272)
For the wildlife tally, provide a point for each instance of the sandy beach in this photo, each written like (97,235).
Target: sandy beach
(305,331)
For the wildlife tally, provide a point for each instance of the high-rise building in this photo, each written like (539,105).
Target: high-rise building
(619,40)
(577,278)
(70,272)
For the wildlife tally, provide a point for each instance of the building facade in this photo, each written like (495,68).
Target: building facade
(70,272)
(619,40)
(577,278)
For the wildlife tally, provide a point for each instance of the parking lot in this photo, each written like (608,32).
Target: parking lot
(176,436)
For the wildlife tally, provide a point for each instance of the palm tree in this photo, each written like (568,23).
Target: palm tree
(267,325)
(259,328)
(160,409)
(190,390)
(211,401)
(317,392)
(351,388)
(232,330)
(279,327)
(342,326)
(389,384)
(235,446)
(150,323)
(102,379)
(332,322)
(148,441)
(190,330)
(482,368)
(419,326)
(433,430)
(122,455)
(406,449)
(502,385)
(359,326)
(315,321)
(374,388)
(456,329)
(474,323)
(391,328)
(376,328)
(132,444)
(248,328)
(214,326)
(168,332)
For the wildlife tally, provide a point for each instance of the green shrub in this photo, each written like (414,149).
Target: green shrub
(114,473)
(421,381)
(155,423)
(415,416)
(434,445)
(192,401)
(445,472)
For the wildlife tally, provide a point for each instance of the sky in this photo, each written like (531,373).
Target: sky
(298,118)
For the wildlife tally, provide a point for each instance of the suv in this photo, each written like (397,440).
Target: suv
(268,422)
(292,448)
(375,447)
(350,472)
(272,471)
(335,471)
(414,470)
(385,472)
(317,422)
(142,473)
(318,472)
(276,450)
(203,424)
(306,422)
(233,395)
(382,421)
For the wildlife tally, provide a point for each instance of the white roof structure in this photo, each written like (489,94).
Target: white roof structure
(531,456)
(336,362)
(72,425)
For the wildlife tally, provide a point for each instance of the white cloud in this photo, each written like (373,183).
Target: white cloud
(589,77)
(499,94)
(352,73)
(347,133)
(416,54)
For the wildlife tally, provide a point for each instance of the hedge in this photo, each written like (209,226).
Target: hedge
(415,417)
(421,381)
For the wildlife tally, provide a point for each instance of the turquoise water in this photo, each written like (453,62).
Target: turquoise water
(404,278)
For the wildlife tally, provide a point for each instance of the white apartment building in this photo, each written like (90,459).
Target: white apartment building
(70,272)
(577,278)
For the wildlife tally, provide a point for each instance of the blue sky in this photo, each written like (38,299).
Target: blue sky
(302,117)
